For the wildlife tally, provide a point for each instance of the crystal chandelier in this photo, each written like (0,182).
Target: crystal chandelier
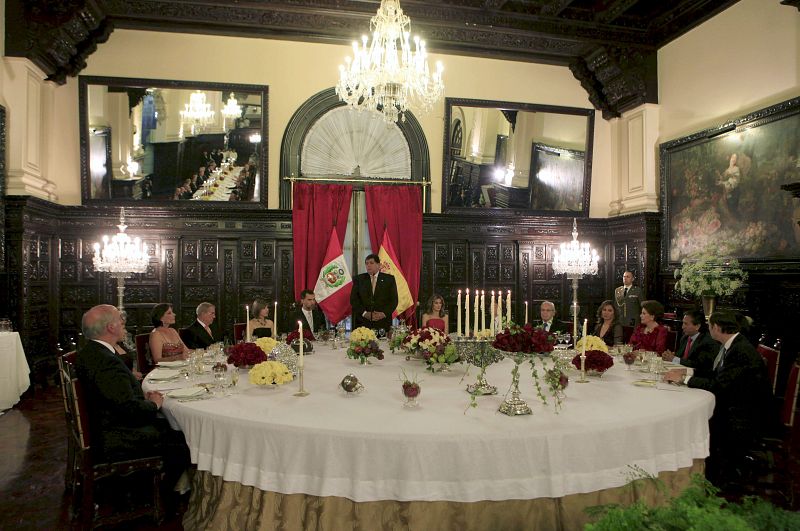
(231,110)
(197,112)
(575,259)
(121,256)
(386,74)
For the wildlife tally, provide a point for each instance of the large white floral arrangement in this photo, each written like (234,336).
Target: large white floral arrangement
(269,373)
(709,274)
(592,343)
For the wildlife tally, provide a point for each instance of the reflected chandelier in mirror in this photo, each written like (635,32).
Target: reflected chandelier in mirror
(517,157)
(157,141)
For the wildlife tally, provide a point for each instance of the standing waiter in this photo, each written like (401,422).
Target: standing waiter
(373,297)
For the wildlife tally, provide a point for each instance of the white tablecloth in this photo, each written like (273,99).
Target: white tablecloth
(14,369)
(223,191)
(368,447)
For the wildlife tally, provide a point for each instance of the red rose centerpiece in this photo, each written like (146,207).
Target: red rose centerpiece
(293,339)
(411,390)
(432,345)
(597,362)
(245,354)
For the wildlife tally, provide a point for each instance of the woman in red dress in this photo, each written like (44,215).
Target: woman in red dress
(435,314)
(649,335)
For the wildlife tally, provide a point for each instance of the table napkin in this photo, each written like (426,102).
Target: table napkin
(162,374)
(171,364)
(187,392)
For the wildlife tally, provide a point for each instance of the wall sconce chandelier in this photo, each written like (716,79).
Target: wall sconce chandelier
(121,256)
(198,113)
(575,259)
(386,74)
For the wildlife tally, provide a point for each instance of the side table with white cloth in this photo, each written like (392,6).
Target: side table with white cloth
(14,371)
(267,459)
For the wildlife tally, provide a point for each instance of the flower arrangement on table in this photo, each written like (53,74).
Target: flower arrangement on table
(363,345)
(432,345)
(270,373)
(411,389)
(521,342)
(597,361)
(396,341)
(709,273)
(267,344)
(483,334)
(246,354)
(295,334)
(592,343)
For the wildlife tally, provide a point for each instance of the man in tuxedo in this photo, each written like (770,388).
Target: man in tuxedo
(547,311)
(628,299)
(125,422)
(200,334)
(309,313)
(697,349)
(373,297)
(742,391)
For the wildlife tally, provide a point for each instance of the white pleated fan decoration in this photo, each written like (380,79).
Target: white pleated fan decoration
(345,142)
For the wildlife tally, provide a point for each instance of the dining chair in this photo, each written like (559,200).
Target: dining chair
(85,471)
(238,331)
(790,398)
(142,344)
(771,358)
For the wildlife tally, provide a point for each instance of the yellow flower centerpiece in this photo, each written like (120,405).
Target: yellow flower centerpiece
(267,344)
(364,344)
(270,373)
(592,343)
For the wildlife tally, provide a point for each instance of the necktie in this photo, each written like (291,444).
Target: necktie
(687,349)
(625,293)
(718,362)
(374,280)
(208,329)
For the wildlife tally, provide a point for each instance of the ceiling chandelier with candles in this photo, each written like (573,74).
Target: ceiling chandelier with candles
(121,256)
(197,113)
(386,74)
(232,110)
(575,258)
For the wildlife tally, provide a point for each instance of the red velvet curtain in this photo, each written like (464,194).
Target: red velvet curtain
(399,209)
(315,209)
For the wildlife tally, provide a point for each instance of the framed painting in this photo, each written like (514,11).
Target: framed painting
(721,188)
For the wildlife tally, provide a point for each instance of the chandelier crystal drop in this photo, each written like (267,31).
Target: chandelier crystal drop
(198,113)
(574,258)
(386,74)
(121,255)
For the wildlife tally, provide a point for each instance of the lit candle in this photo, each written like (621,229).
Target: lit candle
(466,316)
(300,358)
(508,306)
(585,322)
(475,326)
(526,313)
(458,314)
(483,310)
(493,312)
(499,310)
(247,323)
(275,321)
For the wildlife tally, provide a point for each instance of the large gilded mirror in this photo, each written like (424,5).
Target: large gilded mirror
(503,156)
(160,141)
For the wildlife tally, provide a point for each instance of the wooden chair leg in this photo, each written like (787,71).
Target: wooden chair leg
(87,503)
(70,477)
(157,510)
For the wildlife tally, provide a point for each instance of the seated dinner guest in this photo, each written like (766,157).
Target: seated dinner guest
(547,311)
(697,349)
(309,313)
(125,423)
(608,328)
(435,314)
(261,325)
(648,334)
(165,343)
(199,334)
(742,391)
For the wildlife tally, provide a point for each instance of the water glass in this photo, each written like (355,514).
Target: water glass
(5,325)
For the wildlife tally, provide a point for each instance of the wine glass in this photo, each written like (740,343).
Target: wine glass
(567,338)
(381,333)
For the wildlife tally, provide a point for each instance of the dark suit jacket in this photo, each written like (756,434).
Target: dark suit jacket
(742,394)
(123,423)
(319,320)
(557,327)
(195,336)
(383,300)
(702,354)
(628,307)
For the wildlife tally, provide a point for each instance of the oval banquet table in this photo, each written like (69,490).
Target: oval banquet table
(268,460)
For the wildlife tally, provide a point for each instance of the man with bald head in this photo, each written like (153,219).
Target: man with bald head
(549,323)
(125,423)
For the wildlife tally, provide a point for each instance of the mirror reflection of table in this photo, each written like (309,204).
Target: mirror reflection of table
(14,371)
(335,458)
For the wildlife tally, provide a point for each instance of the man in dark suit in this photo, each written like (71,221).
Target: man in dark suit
(547,311)
(200,334)
(742,391)
(628,299)
(697,349)
(309,313)
(373,297)
(125,423)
